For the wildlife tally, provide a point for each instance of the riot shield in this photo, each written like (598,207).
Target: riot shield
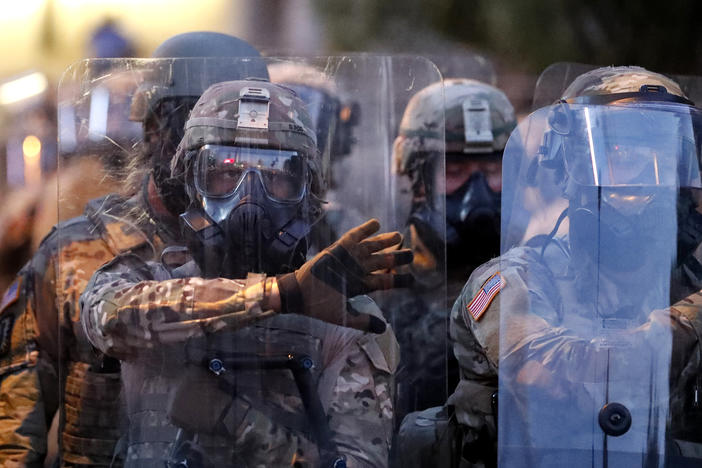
(465,65)
(590,358)
(241,334)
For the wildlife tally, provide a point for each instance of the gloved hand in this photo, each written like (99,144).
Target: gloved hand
(351,266)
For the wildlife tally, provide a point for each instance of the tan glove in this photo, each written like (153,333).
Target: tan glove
(351,266)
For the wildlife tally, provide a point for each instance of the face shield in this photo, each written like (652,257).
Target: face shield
(639,145)
(584,368)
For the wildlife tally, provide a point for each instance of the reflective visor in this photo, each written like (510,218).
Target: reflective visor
(634,145)
(220,171)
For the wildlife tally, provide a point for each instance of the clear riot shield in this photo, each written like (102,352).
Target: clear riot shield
(590,358)
(227,319)
(465,65)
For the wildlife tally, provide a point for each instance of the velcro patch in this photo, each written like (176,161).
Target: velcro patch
(11,295)
(483,298)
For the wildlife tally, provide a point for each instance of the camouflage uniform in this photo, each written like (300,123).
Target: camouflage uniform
(469,121)
(477,345)
(43,340)
(533,284)
(152,320)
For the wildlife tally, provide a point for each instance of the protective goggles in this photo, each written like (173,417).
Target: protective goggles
(221,170)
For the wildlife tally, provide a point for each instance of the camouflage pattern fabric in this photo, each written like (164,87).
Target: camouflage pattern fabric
(24,411)
(139,312)
(477,342)
(43,338)
(611,80)
(442,103)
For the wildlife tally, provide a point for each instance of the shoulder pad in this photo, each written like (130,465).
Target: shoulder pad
(107,203)
(72,230)
(109,214)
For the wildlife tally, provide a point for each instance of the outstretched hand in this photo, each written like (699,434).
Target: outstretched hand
(355,264)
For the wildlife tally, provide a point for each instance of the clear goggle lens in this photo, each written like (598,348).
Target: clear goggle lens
(222,169)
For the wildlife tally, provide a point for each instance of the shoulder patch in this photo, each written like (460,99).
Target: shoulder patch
(11,294)
(483,298)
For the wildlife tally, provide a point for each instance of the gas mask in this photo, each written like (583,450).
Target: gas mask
(472,219)
(250,211)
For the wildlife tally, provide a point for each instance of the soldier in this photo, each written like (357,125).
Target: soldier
(47,361)
(589,376)
(478,121)
(200,387)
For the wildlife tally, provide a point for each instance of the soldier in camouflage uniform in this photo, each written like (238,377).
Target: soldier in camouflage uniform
(187,334)
(478,121)
(47,361)
(530,290)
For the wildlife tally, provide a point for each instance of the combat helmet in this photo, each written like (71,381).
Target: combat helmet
(253,175)
(471,121)
(186,65)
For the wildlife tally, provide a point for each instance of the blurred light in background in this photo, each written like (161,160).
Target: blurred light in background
(22,88)
(99,105)
(20,10)
(31,151)
(51,34)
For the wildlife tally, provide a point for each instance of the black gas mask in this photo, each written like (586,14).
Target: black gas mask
(472,224)
(250,211)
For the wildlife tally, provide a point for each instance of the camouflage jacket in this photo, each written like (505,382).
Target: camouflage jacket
(146,315)
(530,285)
(42,339)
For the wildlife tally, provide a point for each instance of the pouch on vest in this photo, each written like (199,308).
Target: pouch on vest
(428,438)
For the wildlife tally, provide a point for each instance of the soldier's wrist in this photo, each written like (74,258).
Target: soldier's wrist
(290,294)
(271,295)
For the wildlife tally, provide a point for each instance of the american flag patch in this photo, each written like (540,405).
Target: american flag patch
(484,297)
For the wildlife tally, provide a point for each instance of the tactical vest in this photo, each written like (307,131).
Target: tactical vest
(272,391)
(92,408)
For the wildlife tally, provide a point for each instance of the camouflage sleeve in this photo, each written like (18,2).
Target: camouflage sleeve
(130,307)
(475,346)
(532,341)
(360,406)
(28,380)
(475,331)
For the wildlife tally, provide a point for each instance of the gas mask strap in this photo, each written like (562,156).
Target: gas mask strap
(552,234)
(284,243)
